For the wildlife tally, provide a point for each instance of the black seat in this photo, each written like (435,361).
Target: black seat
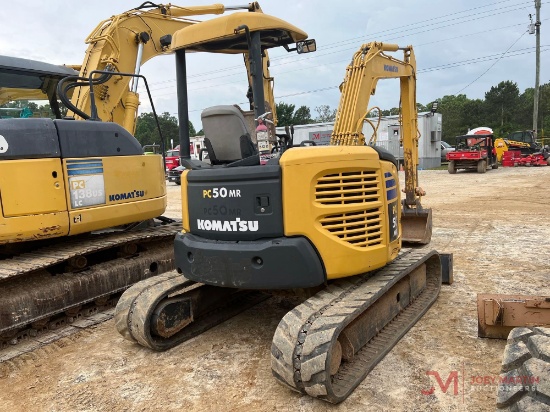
(227,138)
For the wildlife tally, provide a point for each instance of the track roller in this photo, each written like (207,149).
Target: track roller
(166,310)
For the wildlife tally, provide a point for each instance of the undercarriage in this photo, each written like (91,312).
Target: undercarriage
(324,347)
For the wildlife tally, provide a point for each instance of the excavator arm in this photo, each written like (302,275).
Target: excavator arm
(123,43)
(370,64)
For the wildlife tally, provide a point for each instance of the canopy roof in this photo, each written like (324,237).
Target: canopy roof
(218,35)
(29,79)
(29,74)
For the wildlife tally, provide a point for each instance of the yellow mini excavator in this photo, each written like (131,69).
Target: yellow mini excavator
(77,198)
(325,221)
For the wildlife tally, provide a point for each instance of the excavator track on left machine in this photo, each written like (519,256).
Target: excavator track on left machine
(53,285)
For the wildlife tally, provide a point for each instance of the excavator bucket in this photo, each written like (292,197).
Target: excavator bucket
(416,226)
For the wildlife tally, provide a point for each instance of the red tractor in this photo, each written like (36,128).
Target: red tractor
(473,152)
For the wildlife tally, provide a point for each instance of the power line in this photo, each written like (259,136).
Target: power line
(490,67)
(333,45)
(337,86)
(476,60)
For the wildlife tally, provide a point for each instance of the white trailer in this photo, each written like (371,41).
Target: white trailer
(429,127)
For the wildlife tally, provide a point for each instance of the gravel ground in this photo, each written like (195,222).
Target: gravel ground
(495,224)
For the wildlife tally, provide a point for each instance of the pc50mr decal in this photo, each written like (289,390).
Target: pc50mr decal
(222,192)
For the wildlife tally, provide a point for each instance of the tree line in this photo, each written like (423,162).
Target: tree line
(504,109)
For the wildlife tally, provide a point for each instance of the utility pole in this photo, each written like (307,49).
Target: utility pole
(537,75)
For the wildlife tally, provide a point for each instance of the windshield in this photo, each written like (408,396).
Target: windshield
(171,153)
(445,145)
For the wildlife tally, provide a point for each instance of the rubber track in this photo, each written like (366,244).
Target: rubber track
(135,310)
(128,298)
(58,253)
(303,341)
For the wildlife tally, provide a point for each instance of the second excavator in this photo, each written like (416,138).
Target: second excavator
(78,198)
(324,222)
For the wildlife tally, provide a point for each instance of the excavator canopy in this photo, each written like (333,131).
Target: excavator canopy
(218,35)
(29,79)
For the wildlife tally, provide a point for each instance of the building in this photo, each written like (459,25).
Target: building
(429,126)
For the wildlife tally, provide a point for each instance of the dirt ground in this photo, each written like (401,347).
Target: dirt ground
(495,224)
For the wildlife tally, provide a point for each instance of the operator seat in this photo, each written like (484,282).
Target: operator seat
(227,138)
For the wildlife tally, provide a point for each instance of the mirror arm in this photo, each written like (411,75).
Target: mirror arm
(288,49)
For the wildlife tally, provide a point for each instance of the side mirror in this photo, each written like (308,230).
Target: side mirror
(306,46)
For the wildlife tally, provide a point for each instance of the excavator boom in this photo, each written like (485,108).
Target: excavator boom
(370,64)
(123,43)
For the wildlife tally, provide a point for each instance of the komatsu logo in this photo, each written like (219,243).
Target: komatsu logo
(236,225)
(389,68)
(126,195)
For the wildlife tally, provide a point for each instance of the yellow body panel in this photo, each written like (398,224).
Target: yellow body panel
(90,219)
(33,204)
(336,196)
(33,227)
(31,186)
(46,198)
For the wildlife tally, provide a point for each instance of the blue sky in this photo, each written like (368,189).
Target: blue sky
(461,46)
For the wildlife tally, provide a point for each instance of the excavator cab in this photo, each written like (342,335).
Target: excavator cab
(251,34)
(348,190)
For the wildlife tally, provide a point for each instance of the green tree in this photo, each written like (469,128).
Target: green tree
(302,116)
(147,132)
(394,111)
(421,108)
(544,110)
(501,102)
(473,114)
(146,129)
(451,109)
(325,114)
(285,113)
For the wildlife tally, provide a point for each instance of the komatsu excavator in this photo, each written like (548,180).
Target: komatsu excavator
(77,198)
(327,222)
